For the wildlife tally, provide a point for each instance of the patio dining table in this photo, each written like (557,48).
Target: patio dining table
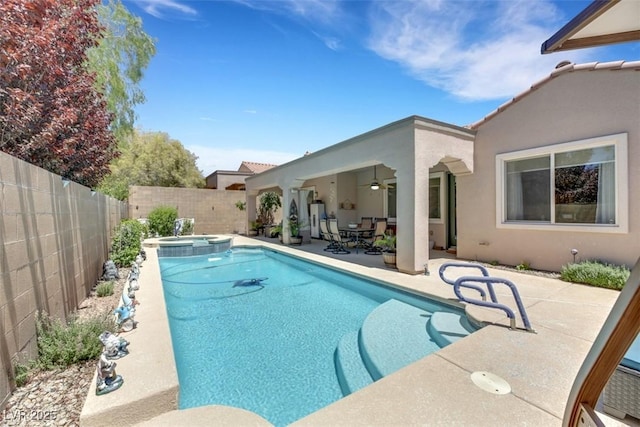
(355,234)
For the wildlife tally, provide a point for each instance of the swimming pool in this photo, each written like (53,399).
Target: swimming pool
(283,337)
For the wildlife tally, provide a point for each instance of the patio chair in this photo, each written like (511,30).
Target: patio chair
(341,243)
(378,234)
(326,236)
(366,223)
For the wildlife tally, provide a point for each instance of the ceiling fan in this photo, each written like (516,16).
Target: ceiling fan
(375,184)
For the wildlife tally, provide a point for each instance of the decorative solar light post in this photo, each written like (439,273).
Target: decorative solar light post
(574,252)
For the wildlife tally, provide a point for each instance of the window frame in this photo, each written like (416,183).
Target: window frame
(385,200)
(443,189)
(618,141)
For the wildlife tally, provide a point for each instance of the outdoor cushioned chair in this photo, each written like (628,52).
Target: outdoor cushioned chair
(366,223)
(326,236)
(337,238)
(378,234)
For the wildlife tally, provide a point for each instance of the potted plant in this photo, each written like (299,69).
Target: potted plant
(388,246)
(269,204)
(294,231)
(254,227)
(276,231)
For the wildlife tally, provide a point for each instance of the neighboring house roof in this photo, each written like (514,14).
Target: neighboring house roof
(255,167)
(602,22)
(562,68)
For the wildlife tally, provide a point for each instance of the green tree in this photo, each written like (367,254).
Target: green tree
(152,159)
(118,61)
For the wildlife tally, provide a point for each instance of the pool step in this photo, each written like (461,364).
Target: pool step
(446,328)
(352,373)
(393,336)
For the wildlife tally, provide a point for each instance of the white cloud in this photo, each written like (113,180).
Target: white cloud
(324,11)
(156,7)
(473,50)
(327,14)
(211,159)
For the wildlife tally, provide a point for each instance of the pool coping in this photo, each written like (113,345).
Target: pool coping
(150,391)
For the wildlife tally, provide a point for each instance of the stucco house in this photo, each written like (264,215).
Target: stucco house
(554,170)
(234,180)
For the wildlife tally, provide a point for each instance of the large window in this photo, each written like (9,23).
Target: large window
(580,183)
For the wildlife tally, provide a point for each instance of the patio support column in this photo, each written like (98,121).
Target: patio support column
(251,205)
(413,219)
(289,193)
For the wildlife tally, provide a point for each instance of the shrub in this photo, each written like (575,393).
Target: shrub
(187,228)
(126,242)
(21,372)
(161,220)
(596,273)
(523,266)
(104,289)
(64,344)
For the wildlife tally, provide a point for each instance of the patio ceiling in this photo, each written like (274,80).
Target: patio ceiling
(602,22)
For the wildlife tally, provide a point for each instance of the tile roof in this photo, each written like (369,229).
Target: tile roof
(255,167)
(562,68)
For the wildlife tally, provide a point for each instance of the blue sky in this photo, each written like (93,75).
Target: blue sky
(266,81)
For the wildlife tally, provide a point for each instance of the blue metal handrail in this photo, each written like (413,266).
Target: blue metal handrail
(483,270)
(470,282)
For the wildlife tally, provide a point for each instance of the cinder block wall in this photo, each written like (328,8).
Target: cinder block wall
(215,211)
(55,238)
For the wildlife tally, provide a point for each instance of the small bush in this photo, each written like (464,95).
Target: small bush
(187,227)
(104,289)
(523,266)
(596,274)
(161,220)
(64,344)
(21,372)
(126,242)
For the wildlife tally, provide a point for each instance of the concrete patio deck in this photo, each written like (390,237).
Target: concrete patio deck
(437,390)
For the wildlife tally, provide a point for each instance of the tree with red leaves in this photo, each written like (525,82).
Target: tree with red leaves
(51,114)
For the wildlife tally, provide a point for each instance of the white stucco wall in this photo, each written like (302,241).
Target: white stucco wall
(573,106)
(409,147)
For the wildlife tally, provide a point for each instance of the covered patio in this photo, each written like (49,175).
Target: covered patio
(415,160)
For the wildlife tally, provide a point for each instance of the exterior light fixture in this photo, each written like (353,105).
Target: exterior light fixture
(65,182)
(574,252)
(374,184)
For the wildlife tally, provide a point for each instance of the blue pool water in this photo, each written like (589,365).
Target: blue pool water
(259,330)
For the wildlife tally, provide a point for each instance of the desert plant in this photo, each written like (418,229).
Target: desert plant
(21,373)
(126,243)
(162,220)
(187,227)
(104,289)
(596,273)
(62,344)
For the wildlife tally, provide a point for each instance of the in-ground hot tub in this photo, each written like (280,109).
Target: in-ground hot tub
(191,245)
